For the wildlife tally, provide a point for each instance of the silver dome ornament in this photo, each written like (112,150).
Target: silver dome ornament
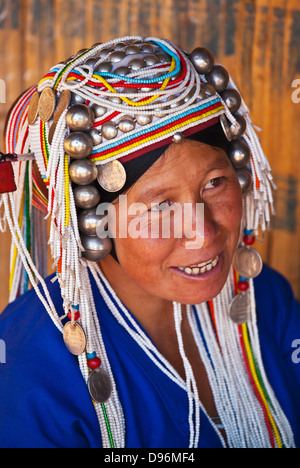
(143,119)
(239,153)
(115,99)
(163,58)
(218,77)
(109,130)
(173,105)
(98,110)
(112,176)
(83,172)
(245,179)
(91,61)
(151,60)
(119,46)
(116,56)
(104,52)
(80,117)
(78,145)
(104,67)
(177,137)
(148,48)
(208,89)
(192,95)
(238,129)
(122,71)
(126,124)
(91,224)
(76,99)
(232,99)
(86,196)
(137,64)
(203,60)
(95,248)
(132,49)
(225,124)
(95,136)
(202,94)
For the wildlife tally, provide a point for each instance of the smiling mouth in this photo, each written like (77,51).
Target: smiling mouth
(200,268)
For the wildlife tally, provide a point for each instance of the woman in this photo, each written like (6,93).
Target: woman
(155,290)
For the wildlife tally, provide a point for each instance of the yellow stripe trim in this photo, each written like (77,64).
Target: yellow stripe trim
(157,135)
(133,103)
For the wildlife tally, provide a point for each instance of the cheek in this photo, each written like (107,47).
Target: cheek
(231,207)
(143,259)
(227,213)
(142,243)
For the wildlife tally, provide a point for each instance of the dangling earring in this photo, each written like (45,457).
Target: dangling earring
(248,264)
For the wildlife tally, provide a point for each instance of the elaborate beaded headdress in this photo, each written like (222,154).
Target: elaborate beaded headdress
(86,118)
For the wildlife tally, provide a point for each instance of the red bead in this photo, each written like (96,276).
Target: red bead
(243,285)
(249,240)
(94,363)
(76,315)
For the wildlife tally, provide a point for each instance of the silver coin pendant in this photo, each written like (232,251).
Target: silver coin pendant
(74,338)
(240,308)
(99,385)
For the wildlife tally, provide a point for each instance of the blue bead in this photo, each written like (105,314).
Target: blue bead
(247,232)
(91,355)
(241,278)
(157,126)
(76,307)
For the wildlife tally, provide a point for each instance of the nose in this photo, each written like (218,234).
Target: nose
(200,227)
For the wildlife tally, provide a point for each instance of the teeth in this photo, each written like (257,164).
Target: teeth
(202,267)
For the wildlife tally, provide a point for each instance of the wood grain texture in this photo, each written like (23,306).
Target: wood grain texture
(257,40)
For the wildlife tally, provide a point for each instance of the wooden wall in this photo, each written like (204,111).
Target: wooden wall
(257,40)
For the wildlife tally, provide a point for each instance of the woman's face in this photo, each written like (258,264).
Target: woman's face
(188,263)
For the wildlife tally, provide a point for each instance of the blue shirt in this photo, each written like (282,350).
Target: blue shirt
(44,401)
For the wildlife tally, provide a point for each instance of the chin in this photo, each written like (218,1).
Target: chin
(192,290)
(199,297)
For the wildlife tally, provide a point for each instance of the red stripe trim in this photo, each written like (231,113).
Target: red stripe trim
(167,141)
(153,132)
(254,387)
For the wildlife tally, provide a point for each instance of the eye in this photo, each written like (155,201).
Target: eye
(212,183)
(161,206)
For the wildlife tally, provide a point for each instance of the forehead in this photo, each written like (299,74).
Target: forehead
(180,166)
(185,158)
